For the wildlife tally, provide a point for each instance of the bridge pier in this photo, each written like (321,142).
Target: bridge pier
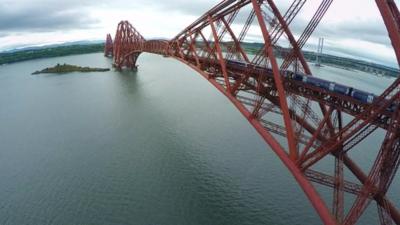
(126,61)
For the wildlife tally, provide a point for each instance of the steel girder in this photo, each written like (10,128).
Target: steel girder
(255,85)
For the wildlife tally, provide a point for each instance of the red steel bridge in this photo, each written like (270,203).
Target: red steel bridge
(305,121)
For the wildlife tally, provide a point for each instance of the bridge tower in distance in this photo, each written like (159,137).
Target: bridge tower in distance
(319,51)
(108,46)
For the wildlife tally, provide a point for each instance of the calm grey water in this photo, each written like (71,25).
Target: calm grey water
(157,147)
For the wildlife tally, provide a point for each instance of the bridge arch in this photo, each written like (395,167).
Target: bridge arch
(259,86)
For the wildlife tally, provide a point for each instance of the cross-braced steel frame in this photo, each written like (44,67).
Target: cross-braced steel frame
(303,124)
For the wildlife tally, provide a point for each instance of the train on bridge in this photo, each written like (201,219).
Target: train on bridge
(359,95)
(319,119)
(363,96)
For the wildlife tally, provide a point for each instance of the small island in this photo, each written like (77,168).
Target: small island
(66,68)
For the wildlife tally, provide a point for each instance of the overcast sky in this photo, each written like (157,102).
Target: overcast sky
(350,28)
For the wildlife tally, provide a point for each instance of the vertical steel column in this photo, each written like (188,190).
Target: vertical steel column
(220,55)
(293,153)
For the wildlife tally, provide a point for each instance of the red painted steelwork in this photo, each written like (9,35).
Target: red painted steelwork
(257,88)
(108,46)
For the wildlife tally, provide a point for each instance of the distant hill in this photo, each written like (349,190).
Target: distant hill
(83,47)
(58,50)
(38,47)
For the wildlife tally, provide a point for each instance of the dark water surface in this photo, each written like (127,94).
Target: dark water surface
(156,147)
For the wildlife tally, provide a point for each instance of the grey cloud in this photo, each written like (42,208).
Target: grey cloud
(360,54)
(193,7)
(345,51)
(51,15)
(370,31)
(196,8)
(43,17)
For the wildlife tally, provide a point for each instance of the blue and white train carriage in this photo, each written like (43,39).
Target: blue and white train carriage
(357,94)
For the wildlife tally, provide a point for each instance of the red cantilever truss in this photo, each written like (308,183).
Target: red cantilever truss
(310,118)
(108,47)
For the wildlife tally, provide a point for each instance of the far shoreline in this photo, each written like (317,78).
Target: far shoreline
(46,52)
(251,48)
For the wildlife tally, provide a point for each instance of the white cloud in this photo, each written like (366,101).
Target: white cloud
(349,27)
